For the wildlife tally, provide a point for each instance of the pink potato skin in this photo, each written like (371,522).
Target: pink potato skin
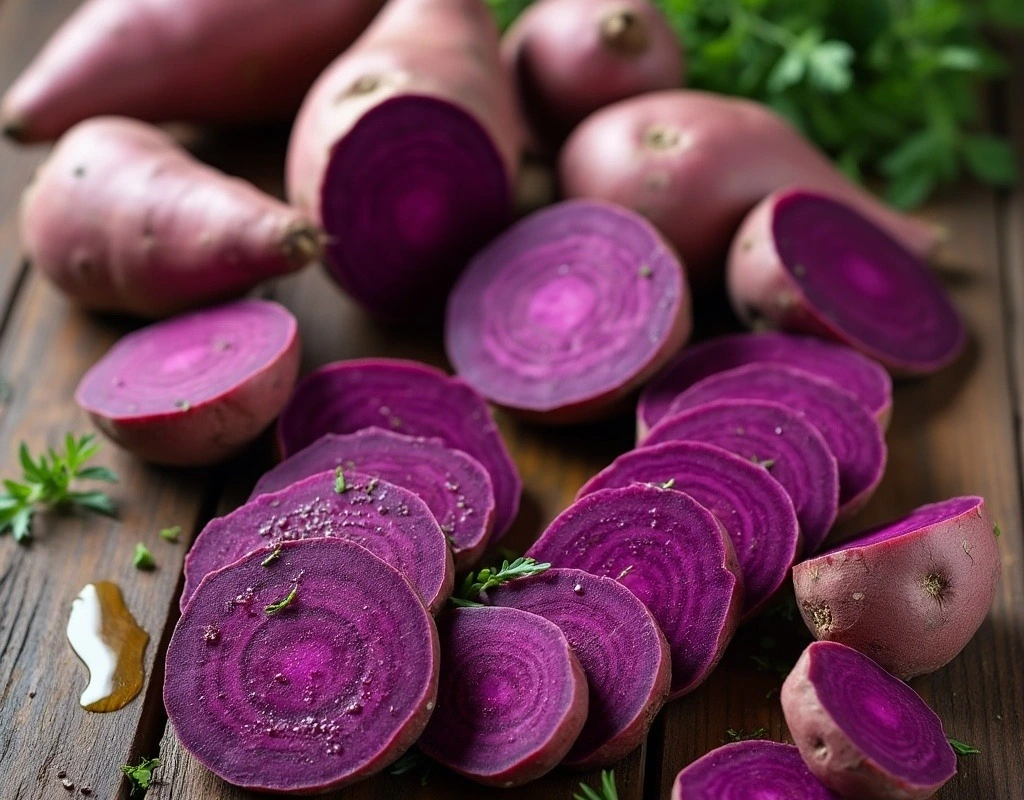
(163,60)
(874,599)
(696,163)
(442,49)
(121,219)
(570,58)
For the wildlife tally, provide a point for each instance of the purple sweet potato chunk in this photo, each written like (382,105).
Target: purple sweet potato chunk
(326,691)
(390,522)
(512,696)
(813,264)
(853,435)
(405,397)
(768,433)
(863,378)
(749,770)
(568,311)
(752,506)
(863,732)
(910,594)
(456,488)
(668,550)
(620,647)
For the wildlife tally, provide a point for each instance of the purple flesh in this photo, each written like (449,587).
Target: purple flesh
(922,517)
(573,305)
(455,487)
(620,647)
(320,694)
(865,379)
(671,553)
(863,285)
(750,771)
(766,432)
(405,397)
(853,435)
(409,194)
(390,522)
(753,507)
(512,696)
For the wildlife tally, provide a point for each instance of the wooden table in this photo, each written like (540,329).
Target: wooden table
(958,432)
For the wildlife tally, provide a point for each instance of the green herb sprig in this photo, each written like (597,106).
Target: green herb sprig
(606,791)
(171,534)
(47,481)
(962,749)
(413,761)
(742,735)
(141,775)
(283,603)
(143,558)
(476,583)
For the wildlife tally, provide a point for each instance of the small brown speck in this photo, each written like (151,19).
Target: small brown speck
(86,790)
(62,774)
(31,694)
(79,172)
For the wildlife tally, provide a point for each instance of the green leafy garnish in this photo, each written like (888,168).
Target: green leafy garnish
(667,484)
(997,531)
(767,463)
(742,735)
(47,482)
(141,775)
(274,555)
(143,559)
(607,790)
(339,481)
(962,749)
(171,534)
(283,603)
(476,583)
(413,761)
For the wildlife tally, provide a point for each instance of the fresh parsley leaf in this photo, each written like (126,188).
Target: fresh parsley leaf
(741,735)
(997,531)
(141,775)
(990,160)
(171,534)
(962,749)
(143,559)
(270,559)
(340,487)
(283,603)
(606,791)
(476,583)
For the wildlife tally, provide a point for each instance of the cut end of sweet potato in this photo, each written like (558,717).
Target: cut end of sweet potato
(625,33)
(13,128)
(303,243)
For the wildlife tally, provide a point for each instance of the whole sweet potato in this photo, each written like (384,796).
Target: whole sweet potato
(158,60)
(122,219)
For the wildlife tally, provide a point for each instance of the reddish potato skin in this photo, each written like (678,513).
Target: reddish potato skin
(873,598)
(123,220)
(162,60)
(570,58)
(695,163)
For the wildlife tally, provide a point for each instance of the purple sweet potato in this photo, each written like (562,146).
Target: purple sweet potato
(695,163)
(910,594)
(771,434)
(805,262)
(121,219)
(512,696)
(404,151)
(304,673)
(671,553)
(164,60)
(568,312)
(571,57)
(749,770)
(406,397)
(197,388)
(862,377)
(753,507)
(390,522)
(861,731)
(620,647)
(853,435)
(456,488)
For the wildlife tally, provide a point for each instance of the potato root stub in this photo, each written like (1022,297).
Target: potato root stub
(404,152)
(512,696)
(910,594)
(571,57)
(805,262)
(865,379)
(664,154)
(166,60)
(863,732)
(120,218)
(620,647)
(853,435)
(405,397)
(567,312)
(770,434)
(648,538)
(195,389)
(390,522)
(744,770)
(752,506)
(326,690)
(456,487)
